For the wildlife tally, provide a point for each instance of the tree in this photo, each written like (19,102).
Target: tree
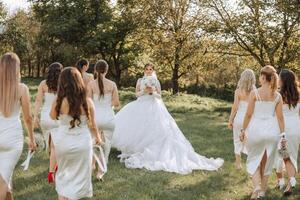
(174,34)
(266,30)
(114,39)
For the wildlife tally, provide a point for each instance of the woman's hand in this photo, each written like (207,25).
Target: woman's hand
(32,145)
(36,122)
(148,90)
(98,140)
(230,125)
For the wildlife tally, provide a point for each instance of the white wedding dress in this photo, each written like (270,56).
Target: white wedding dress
(11,144)
(73,151)
(148,137)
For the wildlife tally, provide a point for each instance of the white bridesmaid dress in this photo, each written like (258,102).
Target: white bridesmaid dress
(148,137)
(239,147)
(47,124)
(11,144)
(105,119)
(292,130)
(262,135)
(73,150)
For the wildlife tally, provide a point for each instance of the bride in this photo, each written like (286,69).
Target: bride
(148,137)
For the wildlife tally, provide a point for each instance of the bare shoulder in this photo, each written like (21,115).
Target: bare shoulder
(90,76)
(91,84)
(23,87)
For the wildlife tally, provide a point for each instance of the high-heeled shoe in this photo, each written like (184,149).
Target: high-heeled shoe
(255,194)
(99,176)
(289,189)
(280,184)
(51,177)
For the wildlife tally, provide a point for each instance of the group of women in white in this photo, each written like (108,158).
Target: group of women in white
(266,127)
(75,113)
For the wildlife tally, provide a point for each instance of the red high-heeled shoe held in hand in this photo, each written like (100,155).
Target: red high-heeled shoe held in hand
(51,177)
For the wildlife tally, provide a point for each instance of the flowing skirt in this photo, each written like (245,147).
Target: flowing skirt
(11,145)
(149,137)
(73,150)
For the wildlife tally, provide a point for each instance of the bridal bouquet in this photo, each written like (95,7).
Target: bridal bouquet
(150,81)
(283,151)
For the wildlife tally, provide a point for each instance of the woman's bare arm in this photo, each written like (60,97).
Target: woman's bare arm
(279,115)
(115,96)
(25,104)
(92,122)
(38,103)
(234,108)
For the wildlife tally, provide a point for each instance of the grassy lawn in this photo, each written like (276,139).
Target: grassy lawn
(203,121)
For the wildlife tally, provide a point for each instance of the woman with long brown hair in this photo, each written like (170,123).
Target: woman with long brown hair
(290,93)
(83,65)
(14,96)
(104,92)
(47,92)
(263,128)
(72,141)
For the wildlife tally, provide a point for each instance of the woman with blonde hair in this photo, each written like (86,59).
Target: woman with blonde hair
(262,126)
(14,96)
(241,98)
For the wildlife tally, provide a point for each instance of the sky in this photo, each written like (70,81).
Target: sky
(15,4)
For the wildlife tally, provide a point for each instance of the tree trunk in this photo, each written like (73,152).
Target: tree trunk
(175,71)
(29,67)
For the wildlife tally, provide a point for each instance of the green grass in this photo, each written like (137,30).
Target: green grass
(203,121)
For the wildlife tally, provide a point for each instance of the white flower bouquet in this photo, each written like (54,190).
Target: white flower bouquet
(149,81)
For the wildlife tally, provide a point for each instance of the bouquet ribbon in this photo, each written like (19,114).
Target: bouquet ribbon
(26,163)
(99,156)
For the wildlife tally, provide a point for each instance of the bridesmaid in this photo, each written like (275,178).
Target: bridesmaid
(263,129)
(104,92)
(14,96)
(241,98)
(291,110)
(47,92)
(72,141)
(83,65)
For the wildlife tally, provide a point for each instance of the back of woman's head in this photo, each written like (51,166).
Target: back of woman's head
(71,87)
(101,67)
(271,76)
(81,63)
(53,73)
(289,89)
(247,81)
(9,82)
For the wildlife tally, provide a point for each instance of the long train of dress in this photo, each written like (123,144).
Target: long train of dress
(149,137)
